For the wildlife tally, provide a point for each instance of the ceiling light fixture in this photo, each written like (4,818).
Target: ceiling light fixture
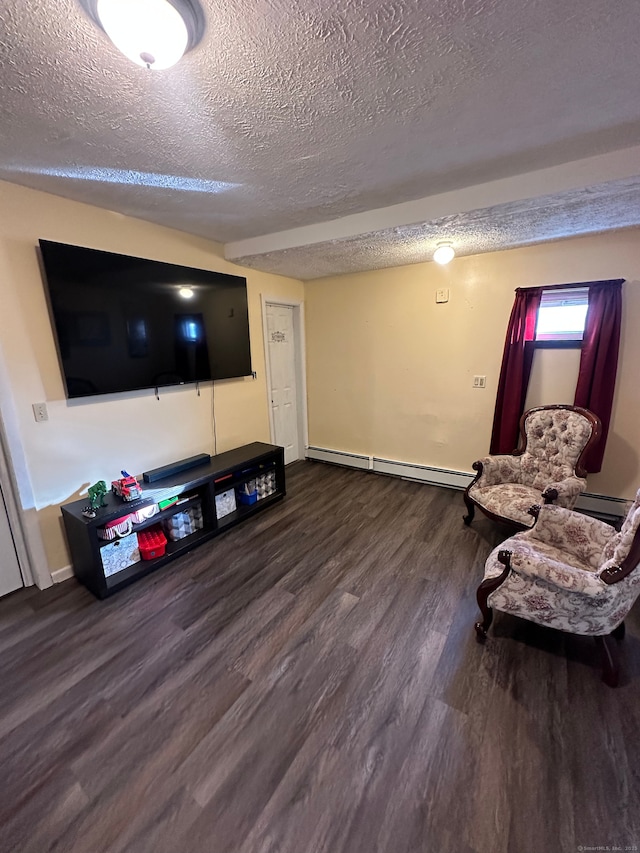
(152,33)
(186,292)
(444,253)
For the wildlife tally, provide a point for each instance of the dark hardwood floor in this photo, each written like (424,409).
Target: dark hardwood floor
(310,681)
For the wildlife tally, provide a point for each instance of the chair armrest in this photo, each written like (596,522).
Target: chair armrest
(578,535)
(565,492)
(497,469)
(528,563)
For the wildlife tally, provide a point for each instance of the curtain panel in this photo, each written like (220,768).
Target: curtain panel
(517,359)
(599,361)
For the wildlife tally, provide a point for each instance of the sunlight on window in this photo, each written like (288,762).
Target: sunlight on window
(562,315)
(561,318)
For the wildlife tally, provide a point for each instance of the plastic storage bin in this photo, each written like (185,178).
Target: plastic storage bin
(247,493)
(152,542)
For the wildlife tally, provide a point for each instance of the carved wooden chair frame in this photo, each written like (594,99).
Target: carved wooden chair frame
(549,495)
(612,575)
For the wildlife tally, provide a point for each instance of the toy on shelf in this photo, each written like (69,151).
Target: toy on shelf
(96,495)
(127,488)
(152,542)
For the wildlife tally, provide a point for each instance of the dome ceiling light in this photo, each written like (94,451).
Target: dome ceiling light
(444,253)
(152,33)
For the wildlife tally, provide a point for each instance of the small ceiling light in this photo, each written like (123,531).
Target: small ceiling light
(444,253)
(186,292)
(152,33)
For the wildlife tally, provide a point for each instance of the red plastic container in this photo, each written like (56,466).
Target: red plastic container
(152,543)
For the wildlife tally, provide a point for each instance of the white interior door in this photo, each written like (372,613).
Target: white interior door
(282,376)
(10,577)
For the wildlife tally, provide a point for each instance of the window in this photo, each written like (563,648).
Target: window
(561,316)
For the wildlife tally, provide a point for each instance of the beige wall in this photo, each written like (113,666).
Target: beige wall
(554,374)
(390,371)
(90,440)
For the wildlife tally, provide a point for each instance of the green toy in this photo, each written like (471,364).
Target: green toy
(96,495)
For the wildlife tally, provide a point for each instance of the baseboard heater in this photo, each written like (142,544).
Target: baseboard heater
(599,504)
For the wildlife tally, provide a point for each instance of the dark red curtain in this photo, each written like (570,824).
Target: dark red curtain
(516,369)
(599,360)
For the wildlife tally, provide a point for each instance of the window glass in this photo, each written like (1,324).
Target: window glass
(562,315)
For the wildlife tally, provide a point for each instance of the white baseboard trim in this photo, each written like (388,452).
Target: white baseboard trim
(423,473)
(599,504)
(63,574)
(339,457)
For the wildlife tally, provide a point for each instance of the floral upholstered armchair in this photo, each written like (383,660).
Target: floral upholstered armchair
(569,572)
(545,469)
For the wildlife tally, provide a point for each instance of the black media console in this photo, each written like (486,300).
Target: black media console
(211,498)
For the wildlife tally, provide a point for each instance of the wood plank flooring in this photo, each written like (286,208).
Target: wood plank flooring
(310,683)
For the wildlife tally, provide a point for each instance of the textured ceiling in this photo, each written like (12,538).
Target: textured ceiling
(298,112)
(602,208)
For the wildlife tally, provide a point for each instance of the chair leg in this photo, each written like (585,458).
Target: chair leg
(485,589)
(619,632)
(471,509)
(483,627)
(610,665)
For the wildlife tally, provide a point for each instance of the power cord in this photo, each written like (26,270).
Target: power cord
(213,418)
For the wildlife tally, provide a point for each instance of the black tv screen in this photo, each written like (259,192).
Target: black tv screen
(124,323)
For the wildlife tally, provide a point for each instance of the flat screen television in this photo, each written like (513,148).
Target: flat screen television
(125,324)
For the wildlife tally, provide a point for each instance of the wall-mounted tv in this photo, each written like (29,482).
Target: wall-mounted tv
(123,323)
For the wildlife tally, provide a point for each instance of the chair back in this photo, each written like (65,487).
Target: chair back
(553,441)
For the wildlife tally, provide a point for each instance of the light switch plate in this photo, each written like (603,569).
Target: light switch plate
(479,381)
(40,412)
(442,295)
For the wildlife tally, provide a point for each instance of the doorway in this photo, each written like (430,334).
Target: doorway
(283,324)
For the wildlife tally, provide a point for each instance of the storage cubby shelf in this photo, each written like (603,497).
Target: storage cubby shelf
(226,471)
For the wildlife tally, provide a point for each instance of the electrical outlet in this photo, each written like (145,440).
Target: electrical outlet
(442,295)
(40,412)
(479,381)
